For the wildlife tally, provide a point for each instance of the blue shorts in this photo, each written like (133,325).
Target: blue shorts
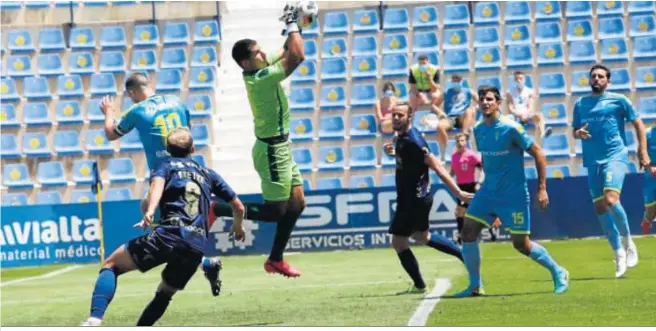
(608,176)
(515,214)
(649,192)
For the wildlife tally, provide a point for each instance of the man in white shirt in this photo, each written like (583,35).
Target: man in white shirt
(521,103)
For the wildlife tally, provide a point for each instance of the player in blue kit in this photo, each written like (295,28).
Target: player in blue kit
(153,116)
(599,121)
(504,192)
(649,191)
(414,197)
(182,189)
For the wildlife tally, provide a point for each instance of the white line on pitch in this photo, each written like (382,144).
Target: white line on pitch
(44,276)
(427,305)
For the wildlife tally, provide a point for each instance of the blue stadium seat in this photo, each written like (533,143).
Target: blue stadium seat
(510,80)
(641,7)
(488,58)
(631,141)
(519,56)
(362,157)
(578,9)
(610,8)
(517,34)
(112,61)
(331,128)
(395,43)
(579,29)
(425,41)
(82,172)
(420,120)
(401,90)
(37,4)
(176,33)
(127,103)
(51,174)
(20,41)
(614,50)
(456,60)
(531,173)
(310,47)
(425,17)
(647,108)
(395,65)
(642,25)
(433,57)
(552,84)
(301,99)
(333,97)
(582,52)
(395,19)
(66,4)
(203,56)
(388,180)
(19,66)
(174,58)
(556,146)
(558,171)
(201,135)
(16,176)
(333,47)
(621,80)
(486,36)
(364,45)
(36,114)
(144,60)
(365,21)
(335,23)
(363,96)
(363,126)
(131,142)
(145,35)
(121,170)
(169,81)
(112,37)
(307,186)
(14,199)
(313,30)
(486,13)
(49,198)
(364,67)
(82,38)
(610,27)
(633,169)
(644,48)
(80,63)
(36,88)
(301,129)
(200,105)
(455,38)
(9,147)
(97,143)
(581,170)
(356,182)
(118,194)
(8,117)
(517,12)
(488,81)
(206,32)
(35,144)
(456,15)
(547,32)
(8,90)
(51,40)
(199,158)
(82,196)
(580,80)
(305,73)
(548,11)
(70,86)
(331,158)
(67,143)
(645,78)
(303,158)
(125,3)
(550,54)
(68,112)
(329,183)
(554,114)
(333,70)
(10,5)
(102,84)
(94,114)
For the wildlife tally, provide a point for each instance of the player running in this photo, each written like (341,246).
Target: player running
(650,184)
(153,116)
(182,189)
(414,198)
(504,192)
(599,121)
(281,181)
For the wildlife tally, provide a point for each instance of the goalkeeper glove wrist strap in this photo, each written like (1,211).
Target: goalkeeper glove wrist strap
(292,27)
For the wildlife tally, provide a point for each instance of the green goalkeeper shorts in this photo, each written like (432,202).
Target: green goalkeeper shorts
(278,171)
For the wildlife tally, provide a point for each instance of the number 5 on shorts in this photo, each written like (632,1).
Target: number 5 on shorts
(609,177)
(518,218)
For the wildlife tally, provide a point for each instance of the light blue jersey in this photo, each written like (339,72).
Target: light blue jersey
(651,144)
(649,190)
(606,116)
(154,118)
(457,101)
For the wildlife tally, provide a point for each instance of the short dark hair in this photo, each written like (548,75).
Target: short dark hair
(456,76)
(422,57)
(485,89)
(390,86)
(136,80)
(179,142)
(517,73)
(242,50)
(600,66)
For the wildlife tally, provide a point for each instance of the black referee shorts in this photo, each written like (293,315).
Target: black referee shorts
(469,188)
(411,216)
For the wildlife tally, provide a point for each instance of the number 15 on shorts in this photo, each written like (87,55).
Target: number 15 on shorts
(518,218)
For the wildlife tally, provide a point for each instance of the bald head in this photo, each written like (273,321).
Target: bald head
(180,143)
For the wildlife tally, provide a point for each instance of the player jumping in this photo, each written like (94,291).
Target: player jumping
(504,192)
(650,184)
(414,198)
(598,120)
(182,189)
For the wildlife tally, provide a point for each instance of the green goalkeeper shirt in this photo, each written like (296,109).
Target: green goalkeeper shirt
(267,99)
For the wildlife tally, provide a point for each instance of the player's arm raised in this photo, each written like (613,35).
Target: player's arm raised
(107,107)
(294,53)
(434,164)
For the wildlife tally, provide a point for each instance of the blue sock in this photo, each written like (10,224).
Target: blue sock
(472,254)
(206,264)
(411,266)
(610,229)
(444,245)
(103,293)
(621,220)
(540,255)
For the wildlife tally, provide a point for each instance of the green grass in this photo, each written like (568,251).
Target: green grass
(15,273)
(359,288)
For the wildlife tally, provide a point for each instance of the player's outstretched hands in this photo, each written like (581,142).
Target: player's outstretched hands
(238,232)
(543,199)
(290,12)
(583,132)
(465,196)
(389,149)
(107,105)
(146,221)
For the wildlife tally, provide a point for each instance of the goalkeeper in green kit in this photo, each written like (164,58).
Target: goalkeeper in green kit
(282,184)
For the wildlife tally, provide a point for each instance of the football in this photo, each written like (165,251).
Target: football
(307,13)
